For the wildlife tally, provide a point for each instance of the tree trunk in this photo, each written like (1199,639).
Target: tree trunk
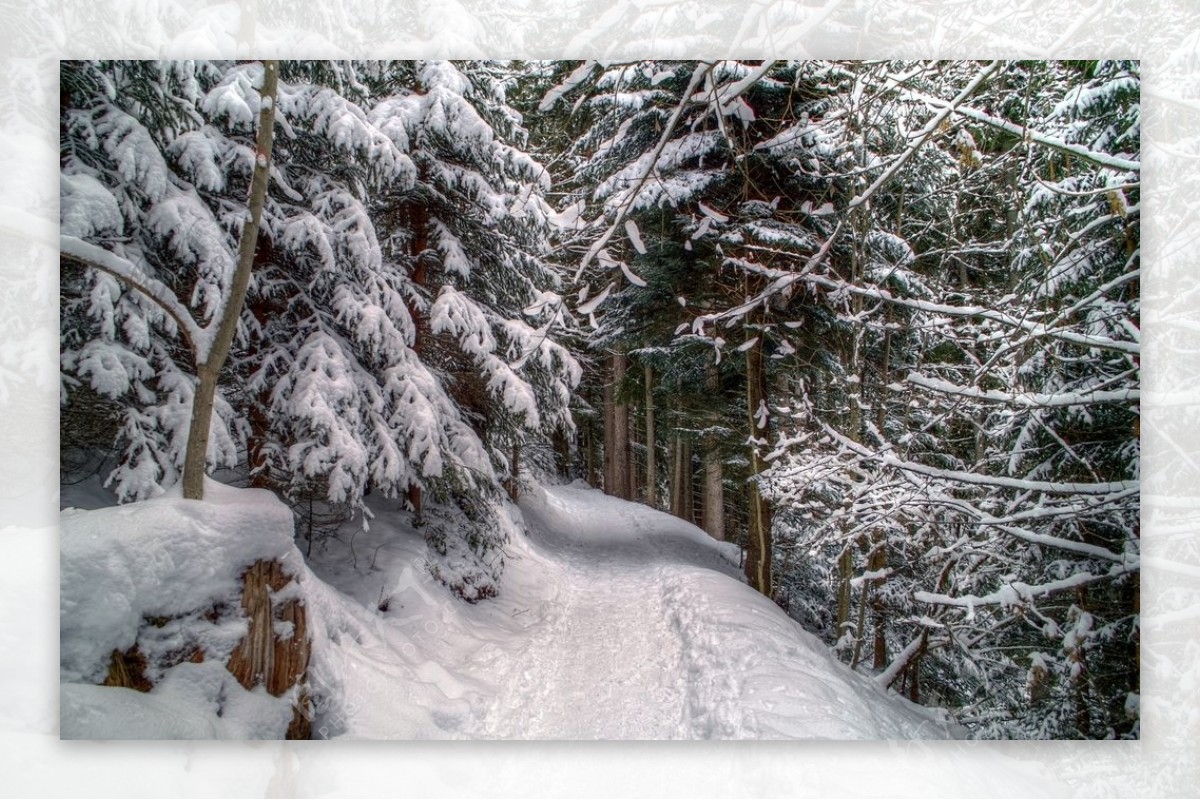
(514,483)
(621,454)
(267,656)
(616,442)
(758,543)
(714,474)
(651,465)
(681,479)
(845,566)
(610,424)
(208,365)
(877,562)
(714,494)
(593,476)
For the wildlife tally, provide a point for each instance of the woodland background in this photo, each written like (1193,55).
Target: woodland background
(1161,32)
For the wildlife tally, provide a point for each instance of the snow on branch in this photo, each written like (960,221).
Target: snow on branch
(982,312)
(1018,593)
(1025,399)
(668,131)
(96,257)
(732,91)
(782,280)
(923,135)
(1100,159)
(889,675)
(958,476)
(1082,548)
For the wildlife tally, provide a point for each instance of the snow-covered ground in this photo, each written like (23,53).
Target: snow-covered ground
(614,621)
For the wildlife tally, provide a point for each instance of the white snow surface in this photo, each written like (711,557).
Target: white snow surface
(161,558)
(614,621)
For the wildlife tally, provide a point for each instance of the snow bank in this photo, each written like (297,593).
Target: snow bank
(194,701)
(614,621)
(164,574)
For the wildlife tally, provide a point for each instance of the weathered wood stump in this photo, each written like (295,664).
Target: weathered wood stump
(274,652)
(276,649)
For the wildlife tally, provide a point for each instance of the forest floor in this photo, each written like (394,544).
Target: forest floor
(615,621)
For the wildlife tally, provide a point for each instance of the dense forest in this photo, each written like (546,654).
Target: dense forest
(875,323)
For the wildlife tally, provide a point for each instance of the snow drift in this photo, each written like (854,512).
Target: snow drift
(614,621)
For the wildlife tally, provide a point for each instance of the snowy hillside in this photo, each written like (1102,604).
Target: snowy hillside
(616,621)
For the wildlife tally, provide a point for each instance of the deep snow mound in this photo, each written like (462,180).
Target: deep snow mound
(160,582)
(613,621)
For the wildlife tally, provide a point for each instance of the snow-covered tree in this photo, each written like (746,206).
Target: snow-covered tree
(993,493)
(397,271)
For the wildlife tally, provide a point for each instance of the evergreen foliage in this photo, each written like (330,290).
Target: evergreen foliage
(887,311)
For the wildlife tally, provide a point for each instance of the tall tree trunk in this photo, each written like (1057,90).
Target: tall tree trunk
(593,477)
(208,366)
(877,562)
(617,448)
(610,427)
(845,569)
(681,479)
(651,465)
(417,216)
(714,476)
(714,494)
(758,543)
(514,482)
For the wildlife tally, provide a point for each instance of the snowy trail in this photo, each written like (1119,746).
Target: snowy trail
(608,664)
(615,622)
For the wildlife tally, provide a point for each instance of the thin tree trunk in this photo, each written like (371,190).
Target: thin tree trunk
(610,426)
(514,483)
(651,465)
(593,477)
(758,544)
(681,479)
(208,370)
(619,446)
(714,476)
(877,562)
(845,565)
(714,494)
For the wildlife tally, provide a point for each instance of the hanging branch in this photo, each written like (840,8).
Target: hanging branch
(627,204)
(210,344)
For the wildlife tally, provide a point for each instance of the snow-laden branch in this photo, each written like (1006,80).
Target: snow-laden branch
(90,255)
(923,135)
(958,476)
(782,280)
(889,675)
(652,162)
(1018,593)
(1099,159)
(981,312)
(1025,399)
(1057,542)
(732,91)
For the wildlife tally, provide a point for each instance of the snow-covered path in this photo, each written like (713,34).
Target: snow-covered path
(608,662)
(615,622)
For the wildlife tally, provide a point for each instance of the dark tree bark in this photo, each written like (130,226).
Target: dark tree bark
(651,465)
(758,543)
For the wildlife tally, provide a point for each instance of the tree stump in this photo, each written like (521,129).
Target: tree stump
(276,649)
